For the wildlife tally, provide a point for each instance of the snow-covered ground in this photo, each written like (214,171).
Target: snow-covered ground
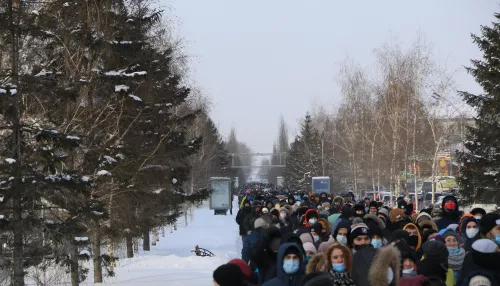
(171,261)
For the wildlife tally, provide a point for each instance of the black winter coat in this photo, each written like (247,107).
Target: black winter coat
(250,218)
(475,261)
(263,257)
(240,219)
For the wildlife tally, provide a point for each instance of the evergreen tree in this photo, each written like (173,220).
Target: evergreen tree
(304,159)
(280,148)
(480,163)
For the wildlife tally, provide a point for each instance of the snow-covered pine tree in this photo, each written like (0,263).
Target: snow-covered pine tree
(480,163)
(43,191)
(304,159)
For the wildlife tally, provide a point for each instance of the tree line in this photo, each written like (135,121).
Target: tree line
(101,137)
(397,117)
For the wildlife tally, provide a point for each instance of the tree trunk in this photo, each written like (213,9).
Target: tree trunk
(96,255)
(145,237)
(130,246)
(74,264)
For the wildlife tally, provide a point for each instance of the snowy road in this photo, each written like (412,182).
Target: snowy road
(171,261)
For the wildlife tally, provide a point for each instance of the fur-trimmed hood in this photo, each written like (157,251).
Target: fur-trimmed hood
(387,257)
(376,219)
(428,223)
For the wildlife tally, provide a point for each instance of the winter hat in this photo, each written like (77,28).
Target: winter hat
(228,275)
(316,228)
(306,237)
(342,224)
(357,230)
(400,234)
(427,233)
(284,209)
(324,246)
(476,211)
(294,250)
(373,204)
(479,280)
(484,246)
(423,216)
(396,214)
(265,210)
(308,246)
(263,221)
(448,232)
(244,267)
(359,207)
(384,211)
(435,250)
(488,222)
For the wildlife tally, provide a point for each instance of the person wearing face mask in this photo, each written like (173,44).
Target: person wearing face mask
(290,266)
(310,250)
(478,213)
(414,237)
(359,210)
(373,208)
(409,259)
(338,202)
(481,260)
(316,233)
(470,233)
(457,254)
(310,218)
(449,213)
(490,227)
(326,210)
(360,236)
(285,221)
(341,233)
(340,264)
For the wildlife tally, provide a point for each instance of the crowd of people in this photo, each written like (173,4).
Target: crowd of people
(324,240)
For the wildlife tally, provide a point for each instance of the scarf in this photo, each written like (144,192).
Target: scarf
(456,260)
(341,278)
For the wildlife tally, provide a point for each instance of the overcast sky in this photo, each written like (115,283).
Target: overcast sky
(259,59)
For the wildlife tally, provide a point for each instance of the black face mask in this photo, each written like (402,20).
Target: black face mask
(413,240)
(360,247)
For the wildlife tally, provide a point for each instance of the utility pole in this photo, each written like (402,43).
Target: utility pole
(17,220)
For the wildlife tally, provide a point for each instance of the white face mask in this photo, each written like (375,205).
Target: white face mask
(478,217)
(282,215)
(408,271)
(316,238)
(312,221)
(342,239)
(327,209)
(390,275)
(471,232)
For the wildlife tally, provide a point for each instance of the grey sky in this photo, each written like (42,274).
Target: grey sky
(259,59)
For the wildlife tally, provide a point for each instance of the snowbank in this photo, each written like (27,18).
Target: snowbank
(171,261)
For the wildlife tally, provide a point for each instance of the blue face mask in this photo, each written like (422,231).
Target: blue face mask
(308,258)
(290,266)
(338,267)
(312,221)
(497,239)
(377,243)
(454,250)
